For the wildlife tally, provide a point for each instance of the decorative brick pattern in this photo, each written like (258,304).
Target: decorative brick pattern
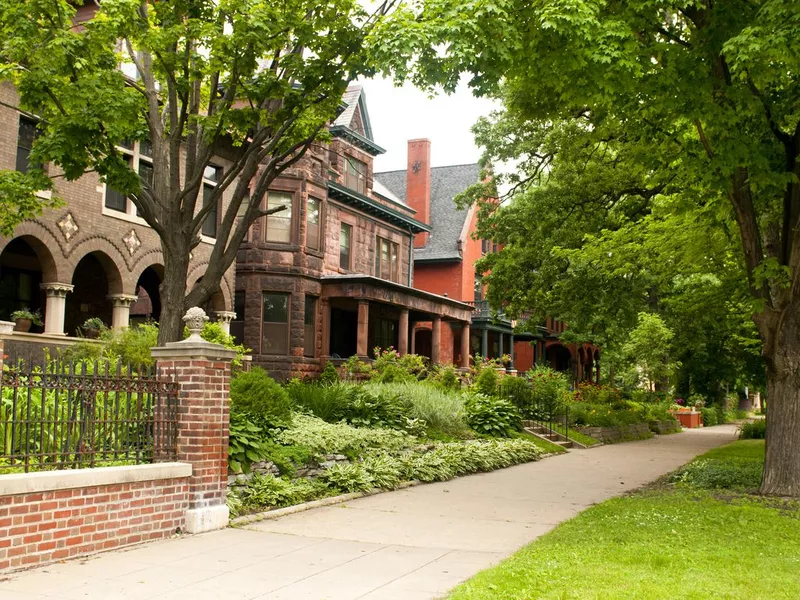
(43,527)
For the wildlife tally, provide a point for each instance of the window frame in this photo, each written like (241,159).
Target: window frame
(349,227)
(394,259)
(288,298)
(24,119)
(265,229)
(359,178)
(317,247)
(209,183)
(136,157)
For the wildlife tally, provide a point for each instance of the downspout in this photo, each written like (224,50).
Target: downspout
(410,257)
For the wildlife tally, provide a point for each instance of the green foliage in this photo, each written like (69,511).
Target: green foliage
(446,377)
(265,491)
(34,317)
(441,410)
(593,393)
(329,374)
(389,366)
(492,416)
(347,478)
(259,398)
(214,333)
(550,390)
(710,416)
(754,430)
(323,438)
(604,415)
(648,349)
(486,382)
(732,473)
(519,392)
(246,444)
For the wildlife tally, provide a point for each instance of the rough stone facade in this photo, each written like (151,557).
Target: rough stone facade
(92,251)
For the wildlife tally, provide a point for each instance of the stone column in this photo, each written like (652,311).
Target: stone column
(224,318)
(402,332)
(121,310)
(436,340)
(202,371)
(597,371)
(362,340)
(325,323)
(485,343)
(465,346)
(413,335)
(55,307)
(502,337)
(511,350)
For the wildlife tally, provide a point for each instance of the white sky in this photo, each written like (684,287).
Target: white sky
(401,114)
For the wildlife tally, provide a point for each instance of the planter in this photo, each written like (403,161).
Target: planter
(689,419)
(22,325)
(6,327)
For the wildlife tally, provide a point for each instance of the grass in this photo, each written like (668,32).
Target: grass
(577,436)
(546,446)
(664,542)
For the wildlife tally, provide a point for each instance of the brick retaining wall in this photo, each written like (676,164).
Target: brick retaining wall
(55,515)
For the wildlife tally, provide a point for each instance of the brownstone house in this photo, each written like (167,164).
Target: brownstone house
(444,259)
(331,276)
(92,257)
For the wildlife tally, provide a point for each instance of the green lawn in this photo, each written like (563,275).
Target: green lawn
(665,542)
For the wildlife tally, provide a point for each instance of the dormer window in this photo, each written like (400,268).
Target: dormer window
(355,175)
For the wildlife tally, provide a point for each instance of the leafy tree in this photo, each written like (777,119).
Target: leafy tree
(255,82)
(704,97)
(648,348)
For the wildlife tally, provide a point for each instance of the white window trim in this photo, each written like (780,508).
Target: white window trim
(206,239)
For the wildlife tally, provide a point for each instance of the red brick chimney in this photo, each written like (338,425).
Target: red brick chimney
(418,184)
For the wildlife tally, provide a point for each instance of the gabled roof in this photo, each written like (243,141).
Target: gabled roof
(446,221)
(355,99)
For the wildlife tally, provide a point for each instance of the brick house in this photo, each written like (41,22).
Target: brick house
(444,263)
(331,276)
(93,256)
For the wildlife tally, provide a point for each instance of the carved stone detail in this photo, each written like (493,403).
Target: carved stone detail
(132,242)
(195,318)
(56,290)
(68,226)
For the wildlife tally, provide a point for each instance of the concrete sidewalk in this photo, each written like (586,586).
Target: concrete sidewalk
(410,544)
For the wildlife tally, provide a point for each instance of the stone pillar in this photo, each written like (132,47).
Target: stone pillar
(413,334)
(402,332)
(465,346)
(511,365)
(202,370)
(362,341)
(121,310)
(485,343)
(325,323)
(224,318)
(55,307)
(436,340)
(597,371)
(502,340)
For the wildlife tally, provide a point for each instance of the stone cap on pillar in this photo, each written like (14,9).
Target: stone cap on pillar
(193,347)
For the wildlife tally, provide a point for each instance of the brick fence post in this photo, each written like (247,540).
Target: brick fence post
(202,370)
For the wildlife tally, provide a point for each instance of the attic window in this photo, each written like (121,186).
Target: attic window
(355,174)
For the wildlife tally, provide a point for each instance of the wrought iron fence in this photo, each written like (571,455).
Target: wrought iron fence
(63,415)
(544,410)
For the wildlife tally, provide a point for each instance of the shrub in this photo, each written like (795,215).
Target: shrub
(593,393)
(214,333)
(710,416)
(518,391)
(753,430)
(261,399)
(132,344)
(329,374)
(441,410)
(389,366)
(486,382)
(323,438)
(385,471)
(266,491)
(347,478)
(604,415)
(324,401)
(728,473)
(246,444)
(375,407)
(445,377)
(550,388)
(492,416)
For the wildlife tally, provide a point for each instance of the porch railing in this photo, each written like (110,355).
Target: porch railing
(65,415)
(544,411)
(482,310)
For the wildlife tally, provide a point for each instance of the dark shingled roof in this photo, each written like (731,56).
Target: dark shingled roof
(446,220)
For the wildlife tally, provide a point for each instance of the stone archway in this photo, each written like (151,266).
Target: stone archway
(25,263)
(96,277)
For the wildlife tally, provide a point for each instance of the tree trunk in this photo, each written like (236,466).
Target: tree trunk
(782,466)
(173,294)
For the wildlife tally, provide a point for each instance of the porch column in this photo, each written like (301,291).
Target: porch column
(224,318)
(436,340)
(325,352)
(402,333)
(485,343)
(362,341)
(465,346)
(511,365)
(121,310)
(413,334)
(502,339)
(55,307)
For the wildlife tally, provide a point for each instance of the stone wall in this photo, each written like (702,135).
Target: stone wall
(665,427)
(610,435)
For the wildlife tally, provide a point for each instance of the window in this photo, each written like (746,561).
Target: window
(278,226)
(27,133)
(310,327)
(139,156)
(275,326)
(211,176)
(387,265)
(478,297)
(313,219)
(355,174)
(385,333)
(345,245)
